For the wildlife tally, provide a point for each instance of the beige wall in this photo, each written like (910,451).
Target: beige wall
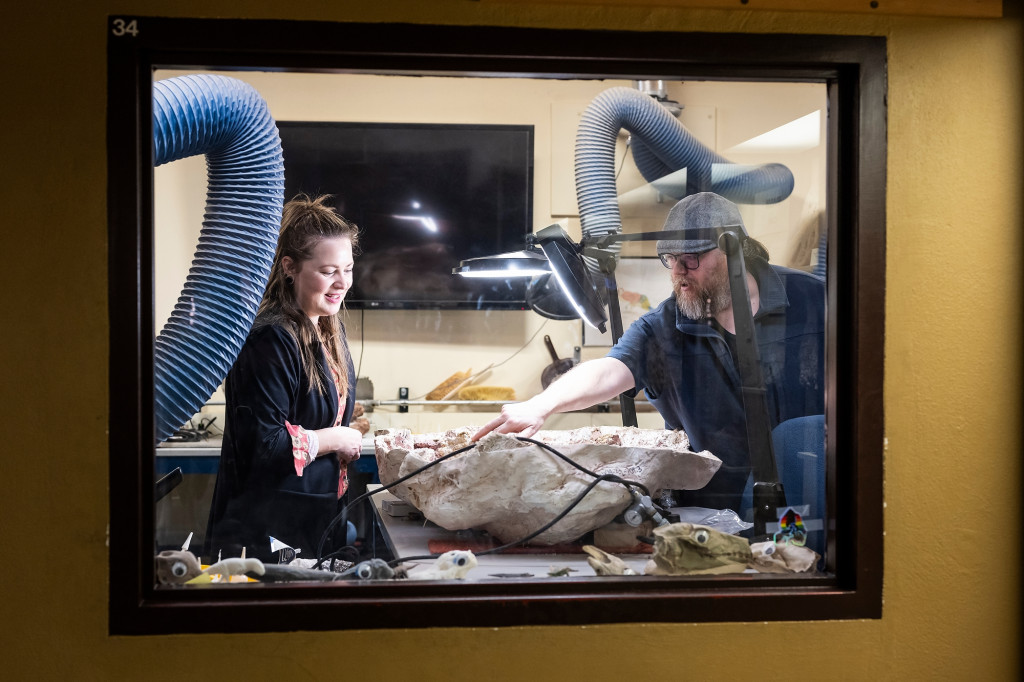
(952,401)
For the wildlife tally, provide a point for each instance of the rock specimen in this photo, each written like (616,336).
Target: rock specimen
(511,488)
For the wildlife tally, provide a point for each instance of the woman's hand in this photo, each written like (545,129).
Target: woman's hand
(345,441)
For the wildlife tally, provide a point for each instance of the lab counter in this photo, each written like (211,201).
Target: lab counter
(199,457)
(186,508)
(411,535)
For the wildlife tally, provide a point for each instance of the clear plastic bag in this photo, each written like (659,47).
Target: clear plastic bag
(722,520)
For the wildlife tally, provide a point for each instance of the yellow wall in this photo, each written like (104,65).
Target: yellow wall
(953,396)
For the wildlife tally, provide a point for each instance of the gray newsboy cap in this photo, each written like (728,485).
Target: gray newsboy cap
(698,213)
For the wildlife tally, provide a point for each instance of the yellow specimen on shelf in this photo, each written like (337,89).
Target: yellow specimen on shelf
(487,393)
(448,385)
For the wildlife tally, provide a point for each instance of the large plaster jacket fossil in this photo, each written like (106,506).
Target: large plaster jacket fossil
(511,488)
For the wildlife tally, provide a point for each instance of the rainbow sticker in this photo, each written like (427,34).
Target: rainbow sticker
(791,528)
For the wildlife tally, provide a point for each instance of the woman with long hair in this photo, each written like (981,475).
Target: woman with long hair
(290,396)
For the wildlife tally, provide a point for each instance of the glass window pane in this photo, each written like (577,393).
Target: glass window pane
(762,145)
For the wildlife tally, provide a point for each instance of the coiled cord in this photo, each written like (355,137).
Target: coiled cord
(342,516)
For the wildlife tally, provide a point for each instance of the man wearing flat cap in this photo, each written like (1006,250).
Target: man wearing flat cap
(683,354)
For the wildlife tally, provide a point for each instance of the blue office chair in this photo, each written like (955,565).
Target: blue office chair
(800,458)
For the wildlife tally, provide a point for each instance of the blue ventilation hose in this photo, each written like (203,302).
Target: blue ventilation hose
(228,121)
(661,145)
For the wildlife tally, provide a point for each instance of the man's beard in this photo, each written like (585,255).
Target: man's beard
(701,302)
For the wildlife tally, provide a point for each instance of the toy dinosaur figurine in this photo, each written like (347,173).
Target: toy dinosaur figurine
(226,568)
(176,567)
(450,565)
(604,563)
(783,557)
(371,569)
(690,549)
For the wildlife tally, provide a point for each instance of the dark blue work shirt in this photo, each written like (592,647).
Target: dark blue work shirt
(689,372)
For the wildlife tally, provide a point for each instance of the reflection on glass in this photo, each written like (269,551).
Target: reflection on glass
(426,339)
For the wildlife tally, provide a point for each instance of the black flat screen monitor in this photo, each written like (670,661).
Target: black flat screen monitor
(425,196)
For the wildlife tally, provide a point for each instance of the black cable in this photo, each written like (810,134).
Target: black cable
(362,340)
(561,515)
(598,478)
(578,465)
(343,514)
(625,153)
(495,366)
(528,342)
(348,553)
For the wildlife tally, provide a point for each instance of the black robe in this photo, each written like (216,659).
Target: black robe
(258,494)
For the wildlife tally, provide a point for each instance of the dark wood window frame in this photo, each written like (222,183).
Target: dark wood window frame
(854,71)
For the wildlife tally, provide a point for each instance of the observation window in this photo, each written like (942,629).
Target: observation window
(812,107)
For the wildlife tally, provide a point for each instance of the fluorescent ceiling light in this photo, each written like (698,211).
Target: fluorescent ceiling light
(671,185)
(796,136)
(426,221)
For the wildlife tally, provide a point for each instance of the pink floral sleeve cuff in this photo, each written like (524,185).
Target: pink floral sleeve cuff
(305,446)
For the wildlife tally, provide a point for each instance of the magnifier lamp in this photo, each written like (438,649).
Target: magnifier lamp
(527,263)
(564,260)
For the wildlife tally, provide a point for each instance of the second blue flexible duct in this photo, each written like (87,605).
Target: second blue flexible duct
(229,121)
(661,145)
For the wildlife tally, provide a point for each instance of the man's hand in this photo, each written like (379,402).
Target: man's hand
(584,385)
(522,419)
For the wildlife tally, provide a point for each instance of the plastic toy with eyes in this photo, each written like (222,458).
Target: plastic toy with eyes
(690,549)
(176,567)
(232,570)
(450,565)
(371,569)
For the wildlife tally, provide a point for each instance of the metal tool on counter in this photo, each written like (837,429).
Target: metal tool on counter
(167,483)
(558,366)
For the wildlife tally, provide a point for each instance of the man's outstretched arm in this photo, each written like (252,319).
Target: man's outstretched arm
(586,384)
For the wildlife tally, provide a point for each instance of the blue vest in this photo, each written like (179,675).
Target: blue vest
(688,370)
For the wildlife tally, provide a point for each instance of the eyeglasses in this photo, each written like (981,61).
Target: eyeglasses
(690,261)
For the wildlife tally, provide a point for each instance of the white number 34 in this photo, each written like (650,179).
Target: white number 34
(126,28)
